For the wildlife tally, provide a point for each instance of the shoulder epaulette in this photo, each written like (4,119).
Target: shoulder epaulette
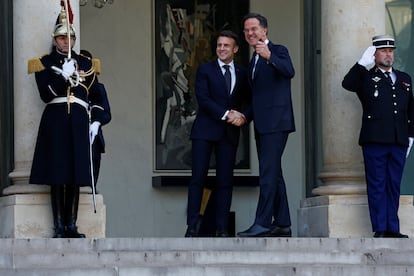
(96,64)
(35,65)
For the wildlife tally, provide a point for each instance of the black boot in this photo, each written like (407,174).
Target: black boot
(57,200)
(71,211)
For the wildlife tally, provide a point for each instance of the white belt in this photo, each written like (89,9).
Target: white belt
(70,99)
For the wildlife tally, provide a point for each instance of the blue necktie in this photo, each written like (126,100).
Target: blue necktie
(227,77)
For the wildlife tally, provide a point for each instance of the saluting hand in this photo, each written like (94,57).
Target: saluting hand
(368,59)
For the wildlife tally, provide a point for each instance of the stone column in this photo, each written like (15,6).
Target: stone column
(25,208)
(346,33)
(340,210)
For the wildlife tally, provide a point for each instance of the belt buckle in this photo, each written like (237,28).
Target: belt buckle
(71,99)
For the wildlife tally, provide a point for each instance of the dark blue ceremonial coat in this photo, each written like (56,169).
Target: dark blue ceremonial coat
(62,148)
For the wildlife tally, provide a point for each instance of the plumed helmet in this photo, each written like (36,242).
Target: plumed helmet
(61,26)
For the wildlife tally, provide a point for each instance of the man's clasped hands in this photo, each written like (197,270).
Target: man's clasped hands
(236,118)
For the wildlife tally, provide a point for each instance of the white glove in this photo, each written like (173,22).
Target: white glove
(68,68)
(410,144)
(93,130)
(368,60)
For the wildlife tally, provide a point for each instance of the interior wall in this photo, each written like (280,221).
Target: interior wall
(121,35)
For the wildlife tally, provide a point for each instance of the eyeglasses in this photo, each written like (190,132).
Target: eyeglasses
(254,29)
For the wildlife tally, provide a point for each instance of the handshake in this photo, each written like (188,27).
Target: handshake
(236,118)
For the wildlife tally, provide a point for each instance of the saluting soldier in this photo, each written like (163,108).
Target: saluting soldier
(387,129)
(67,83)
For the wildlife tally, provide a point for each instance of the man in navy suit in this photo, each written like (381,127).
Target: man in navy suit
(270,75)
(221,88)
(387,129)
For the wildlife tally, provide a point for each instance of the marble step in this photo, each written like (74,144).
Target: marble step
(207,256)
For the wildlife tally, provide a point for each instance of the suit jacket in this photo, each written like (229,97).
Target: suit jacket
(271,89)
(388,110)
(214,100)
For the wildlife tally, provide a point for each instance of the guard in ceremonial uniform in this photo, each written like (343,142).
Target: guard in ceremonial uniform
(387,129)
(67,83)
(97,139)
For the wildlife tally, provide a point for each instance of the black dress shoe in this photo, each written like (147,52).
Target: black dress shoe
(222,234)
(191,232)
(255,230)
(380,234)
(277,231)
(396,235)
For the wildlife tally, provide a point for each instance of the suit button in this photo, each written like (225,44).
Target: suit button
(393,95)
(369,116)
(395,111)
(395,104)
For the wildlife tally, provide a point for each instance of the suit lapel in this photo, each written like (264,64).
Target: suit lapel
(238,78)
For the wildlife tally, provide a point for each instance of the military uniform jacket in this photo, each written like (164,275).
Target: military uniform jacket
(62,148)
(388,111)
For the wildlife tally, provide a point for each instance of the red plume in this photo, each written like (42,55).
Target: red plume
(70,13)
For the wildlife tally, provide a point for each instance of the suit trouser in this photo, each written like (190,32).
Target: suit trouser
(272,197)
(384,165)
(225,157)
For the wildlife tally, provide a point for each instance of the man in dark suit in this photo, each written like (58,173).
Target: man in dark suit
(270,75)
(386,132)
(221,89)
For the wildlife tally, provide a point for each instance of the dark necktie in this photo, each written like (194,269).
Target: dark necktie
(227,77)
(388,77)
(255,58)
